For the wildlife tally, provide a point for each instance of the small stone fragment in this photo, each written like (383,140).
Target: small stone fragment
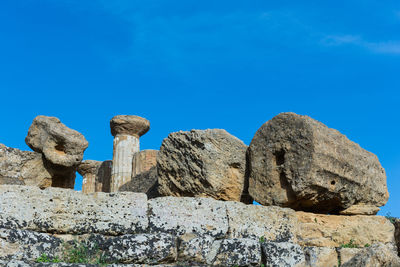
(298,162)
(238,252)
(179,216)
(204,163)
(283,254)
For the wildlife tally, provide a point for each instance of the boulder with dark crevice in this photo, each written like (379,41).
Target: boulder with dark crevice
(61,147)
(298,162)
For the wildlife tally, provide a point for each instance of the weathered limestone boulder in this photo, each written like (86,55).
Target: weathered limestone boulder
(126,130)
(144,174)
(141,248)
(96,175)
(61,146)
(396,223)
(266,222)
(238,252)
(283,254)
(179,216)
(195,248)
(205,163)
(23,168)
(335,230)
(375,255)
(56,210)
(298,162)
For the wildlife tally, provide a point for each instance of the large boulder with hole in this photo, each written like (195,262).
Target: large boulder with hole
(205,163)
(61,147)
(23,168)
(298,162)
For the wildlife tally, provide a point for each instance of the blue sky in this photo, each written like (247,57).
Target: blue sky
(203,64)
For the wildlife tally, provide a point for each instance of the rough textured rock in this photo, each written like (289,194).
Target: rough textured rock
(196,249)
(26,245)
(96,175)
(283,254)
(141,248)
(179,216)
(129,125)
(60,145)
(335,230)
(238,252)
(23,168)
(144,174)
(202,163)
(374,256)
(56,210)
(298,162)
(346,254)
(269,223)
(396,223)
(321,257)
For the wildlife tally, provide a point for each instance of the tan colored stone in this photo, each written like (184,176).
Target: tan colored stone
(59,144)
(298,162)
(129,125)
(335,230)
(96,175)
(360,209)
(204,163)
(144,161)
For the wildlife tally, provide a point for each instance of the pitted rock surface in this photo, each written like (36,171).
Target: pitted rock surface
(26,245)
(141,248)
(68,211)
(196,249)
(205,163)
(238,252)
(270,223)
(179,216)
(60,145)
(23,168)
(298,162)
(283,254)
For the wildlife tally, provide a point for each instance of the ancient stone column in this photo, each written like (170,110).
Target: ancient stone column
(88,169)
(126,131)
(96,175)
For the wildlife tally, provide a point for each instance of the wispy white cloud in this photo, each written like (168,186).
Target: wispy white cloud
(382,47)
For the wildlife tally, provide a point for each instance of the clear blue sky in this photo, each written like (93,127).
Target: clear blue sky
(203,64)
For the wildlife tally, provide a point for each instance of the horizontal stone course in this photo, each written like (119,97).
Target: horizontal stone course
(128,228)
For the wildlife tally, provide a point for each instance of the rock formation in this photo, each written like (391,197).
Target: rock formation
(202,163)
(125,227)
(298,162)
(61,147)
(126,130)
(23,168)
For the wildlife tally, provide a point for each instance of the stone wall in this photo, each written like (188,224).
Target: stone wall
(127,228)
